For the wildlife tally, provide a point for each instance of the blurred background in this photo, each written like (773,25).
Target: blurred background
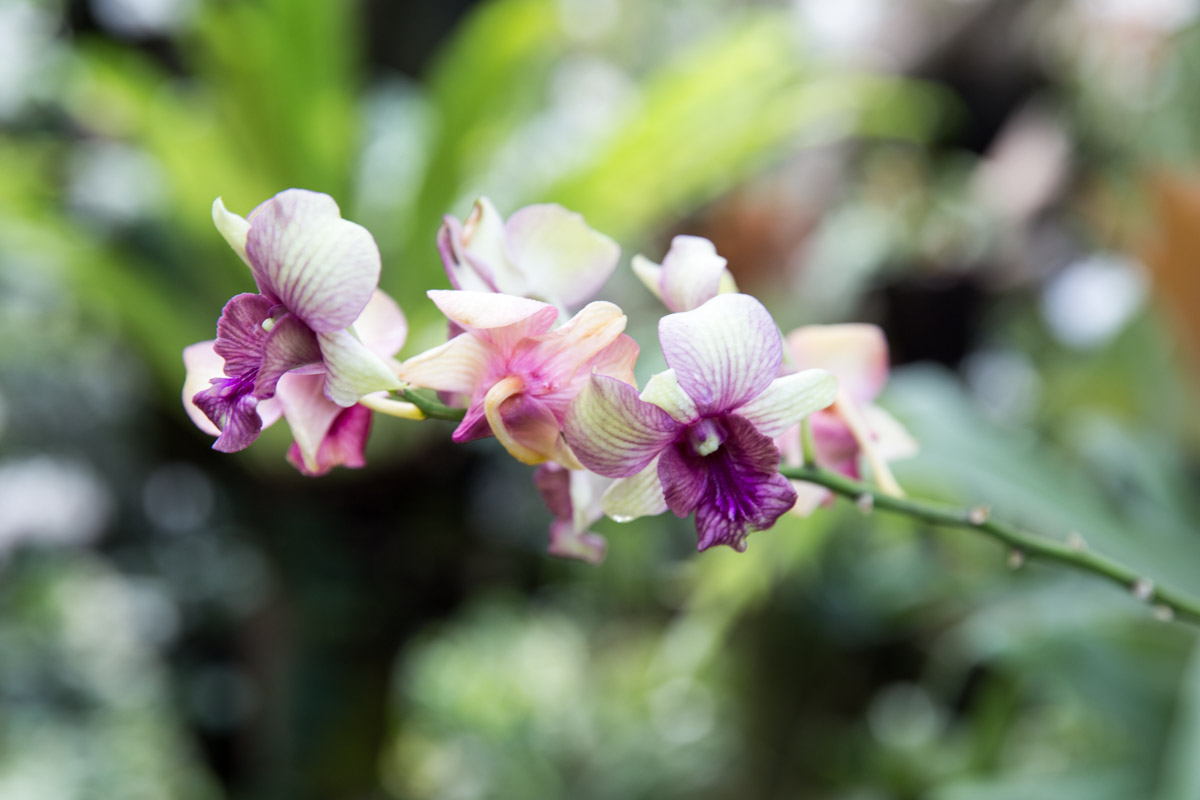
(1009,188)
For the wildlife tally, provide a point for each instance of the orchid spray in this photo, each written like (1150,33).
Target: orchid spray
(744,425)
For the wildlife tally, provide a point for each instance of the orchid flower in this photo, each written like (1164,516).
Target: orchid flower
(518,374)
(543,252)
(573,497)
(699,437)
(853,428)
(690,275)
(316,339)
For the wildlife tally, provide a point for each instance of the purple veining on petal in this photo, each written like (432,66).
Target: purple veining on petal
(724,353)
(474,425)
(342,446)
(322,267)
(240,334)
(231,405)
(289,345)
(761,503)
(727,471)
(613,432)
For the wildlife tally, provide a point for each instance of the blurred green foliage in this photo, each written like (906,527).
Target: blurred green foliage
(842,656)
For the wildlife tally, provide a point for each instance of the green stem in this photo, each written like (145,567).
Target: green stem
(1025,545)
(431,408)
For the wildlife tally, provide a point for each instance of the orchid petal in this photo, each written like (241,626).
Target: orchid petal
(566,541)
(471,275)
(524,425)
(640,495)
(321,267)
(554,485)
(768,500)
(616,360)
(723,353)
(455,366)
(664,391)
(835,444)
(691,273)
(290,344)
(482,247)
(381,326)
(474,425)
(342,446)
(892,439)
(231,405)
(240,333)
(746,491)
(558,254)
(577,343)
(614,433)
(202,364)
(684,479)
(789,399)
(309,414)
(233,228)
(354,370)
(649,273)
(856,353)
(501,319)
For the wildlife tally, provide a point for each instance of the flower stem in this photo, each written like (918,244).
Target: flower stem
(432,408)
(1025,545)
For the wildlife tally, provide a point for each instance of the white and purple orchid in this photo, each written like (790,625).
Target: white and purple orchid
(317,338)
(690,275)
(544,252)
(853,429)
(699,437)
(517,374)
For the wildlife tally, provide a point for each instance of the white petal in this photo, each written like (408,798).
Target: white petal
(202,364)
(639,495)
(456,366)
(789,399)
(354,370)
(308,411)
(664,391)
(235,229)
(381,326)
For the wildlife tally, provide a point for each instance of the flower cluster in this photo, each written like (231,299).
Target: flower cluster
(317,345)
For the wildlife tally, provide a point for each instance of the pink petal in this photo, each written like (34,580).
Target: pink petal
(381,326)
(202,364)
(724,353)
(856,353)
(342,445)
(612,432)
(567,542)
(321,267)
(308,412)
(500,319)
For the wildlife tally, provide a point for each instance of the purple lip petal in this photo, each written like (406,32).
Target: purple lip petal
(684,478)
(231,405)
(757,509)
(240,334)
(742,488)
(612,432)
(289,345)
(322,267)
(723,353)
